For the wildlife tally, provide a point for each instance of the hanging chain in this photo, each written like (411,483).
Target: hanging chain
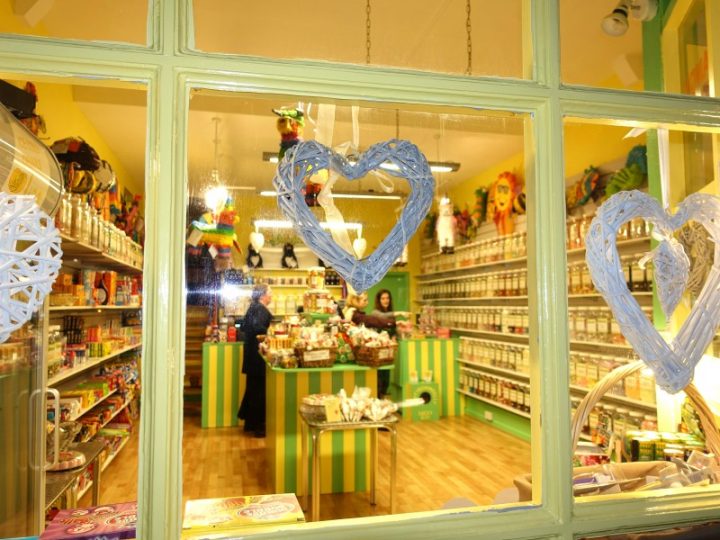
(468,29)
(367,32)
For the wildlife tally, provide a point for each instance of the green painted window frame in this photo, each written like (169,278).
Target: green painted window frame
(170,69)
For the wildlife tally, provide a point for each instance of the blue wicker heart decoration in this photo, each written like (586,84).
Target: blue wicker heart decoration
(673,363)
(309,157)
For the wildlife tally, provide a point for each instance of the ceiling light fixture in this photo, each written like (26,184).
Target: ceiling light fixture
(616,23)
(286,224)
(379,196)
(435,166)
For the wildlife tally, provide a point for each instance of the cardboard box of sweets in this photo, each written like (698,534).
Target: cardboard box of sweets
(110,522)
(236,514)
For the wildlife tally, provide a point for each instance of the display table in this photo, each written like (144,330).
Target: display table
(418,357)
(316,426)
(344,455)
(58,483)
(223,384)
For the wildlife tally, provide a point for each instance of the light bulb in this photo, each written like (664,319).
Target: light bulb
(215,196)
(616,24)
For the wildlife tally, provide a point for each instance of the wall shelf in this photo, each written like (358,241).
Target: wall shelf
(75,251)
(494,403)
(496,370)
(89,364)
(54,309)
(492,264)
(635,403)
(91,407)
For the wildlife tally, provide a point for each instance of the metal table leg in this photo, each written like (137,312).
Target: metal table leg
(304,464)
(96,482)
(393,468)
(373,463)
(316,474)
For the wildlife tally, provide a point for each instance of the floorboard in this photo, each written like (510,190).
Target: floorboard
(452,458)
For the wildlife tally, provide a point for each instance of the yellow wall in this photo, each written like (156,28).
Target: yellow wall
(595,144)
(585,144)
(12,24)
(465,193)
(64,118)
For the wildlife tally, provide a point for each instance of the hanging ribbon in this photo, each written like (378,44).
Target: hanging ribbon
(324,130)
(664,151)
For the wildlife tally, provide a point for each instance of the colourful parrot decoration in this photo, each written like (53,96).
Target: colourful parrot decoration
(218,234)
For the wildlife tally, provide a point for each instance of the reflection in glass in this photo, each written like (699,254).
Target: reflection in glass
(443,37)
(86,20)
(477,291)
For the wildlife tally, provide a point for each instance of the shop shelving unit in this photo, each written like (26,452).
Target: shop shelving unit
(77,254)
(447,273)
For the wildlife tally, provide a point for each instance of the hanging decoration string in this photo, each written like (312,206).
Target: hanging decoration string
(368,43)
(468,30)
(664,151)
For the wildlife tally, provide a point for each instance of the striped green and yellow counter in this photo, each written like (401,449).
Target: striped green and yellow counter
(223,384)
(345,455)
(417,357)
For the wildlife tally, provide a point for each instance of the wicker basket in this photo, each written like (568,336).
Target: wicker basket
(375,356)
(707,418)
(324,357)
(628,472)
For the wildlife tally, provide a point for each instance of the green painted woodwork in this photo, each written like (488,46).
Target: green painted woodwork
(507,421)
(398,283)
(169,69)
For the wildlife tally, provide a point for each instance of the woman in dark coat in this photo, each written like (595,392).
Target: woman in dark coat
(257,321)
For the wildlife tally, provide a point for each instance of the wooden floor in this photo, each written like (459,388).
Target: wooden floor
(437,461)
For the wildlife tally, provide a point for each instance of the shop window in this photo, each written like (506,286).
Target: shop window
(459,295)
(85,20)
(632,428)
(89,332)
(444,37)
(649,45)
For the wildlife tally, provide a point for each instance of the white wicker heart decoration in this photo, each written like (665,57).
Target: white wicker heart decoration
(307,158)
(30,258)
(673,363)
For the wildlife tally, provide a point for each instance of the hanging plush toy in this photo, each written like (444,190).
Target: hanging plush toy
(33,121)
(520,202)
(503,194)
(581,191)
(430,222)
(289,260)
(446,227)
(462,220)
(290,125)
(632,176)
(479,213)
(254,259)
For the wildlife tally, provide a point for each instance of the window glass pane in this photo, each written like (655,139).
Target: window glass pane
(628,427)
(626,46)
(93,349)
(86,20)
(476,384)
(422,35)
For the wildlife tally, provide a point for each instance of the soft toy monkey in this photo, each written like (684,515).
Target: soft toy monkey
(254,259)
(289,260)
